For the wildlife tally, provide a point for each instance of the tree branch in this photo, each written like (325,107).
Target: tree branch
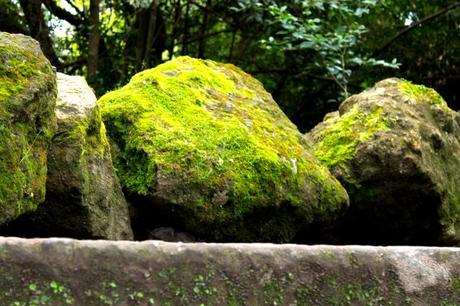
(75,8)
(414,25)
(61,13)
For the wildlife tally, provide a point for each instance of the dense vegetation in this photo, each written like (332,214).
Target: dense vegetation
(309,54)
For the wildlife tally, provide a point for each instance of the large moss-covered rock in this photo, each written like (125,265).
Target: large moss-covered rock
(83,196)
(203,147)
(396,149)
(27,99)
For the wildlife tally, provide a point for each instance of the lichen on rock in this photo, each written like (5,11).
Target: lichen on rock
(396,149)
(27,122)
(206,143)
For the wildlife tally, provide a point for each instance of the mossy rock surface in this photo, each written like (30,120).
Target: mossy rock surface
(396,149)
(83,196)
(203,146)
(27,123)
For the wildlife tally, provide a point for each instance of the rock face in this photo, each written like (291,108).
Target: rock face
(396,149)
(27,99)
(63,271)
(83,195)
(202,147)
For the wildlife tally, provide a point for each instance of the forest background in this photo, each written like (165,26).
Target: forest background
(310,54)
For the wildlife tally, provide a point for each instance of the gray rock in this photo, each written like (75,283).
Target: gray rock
(83,196)
(396,149)
(27,123)
(171,235)
(160,273)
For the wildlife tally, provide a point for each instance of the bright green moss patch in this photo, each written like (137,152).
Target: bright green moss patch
(337,143)
(216,135)
(420,93)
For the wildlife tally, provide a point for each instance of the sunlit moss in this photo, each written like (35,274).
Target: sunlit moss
(210,127)
(337,143)
(420,93)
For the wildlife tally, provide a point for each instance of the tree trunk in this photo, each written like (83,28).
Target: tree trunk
(186,31)
(151,32)
(38,28)
(151,36)
(177,15)
(141,36)
(93,42)
(204,26)
(232,45)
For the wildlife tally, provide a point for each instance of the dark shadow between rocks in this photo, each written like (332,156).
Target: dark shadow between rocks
(159,220)
(155,220)
(407,216)
(46,222)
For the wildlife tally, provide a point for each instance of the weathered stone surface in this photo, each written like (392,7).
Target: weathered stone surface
(396,149)
(203,148)
(160,273)
(27,99)
(83,196)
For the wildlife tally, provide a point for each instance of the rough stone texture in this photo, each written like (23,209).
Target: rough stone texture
(201,147)
(27,99)
(161,273)
(396,149)
(83,196)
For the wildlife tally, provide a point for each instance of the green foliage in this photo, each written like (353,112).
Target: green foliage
(52,293)
(309,54)
(9,21)
(329,31)
(428,53)
(455,282)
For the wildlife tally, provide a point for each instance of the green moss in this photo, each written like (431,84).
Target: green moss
(26,125)
(200,123)
(420,93)
(35,293)
(455,282)
(337,143)
(273,293)
(87,131)
(17,66)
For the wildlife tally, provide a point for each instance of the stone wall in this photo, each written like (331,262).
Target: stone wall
(63,271)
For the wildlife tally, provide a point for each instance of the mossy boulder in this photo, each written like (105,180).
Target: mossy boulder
(396,149)
(27,122)
(83,195)
(202,147)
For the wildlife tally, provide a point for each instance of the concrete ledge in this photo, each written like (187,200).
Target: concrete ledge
(65,271)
